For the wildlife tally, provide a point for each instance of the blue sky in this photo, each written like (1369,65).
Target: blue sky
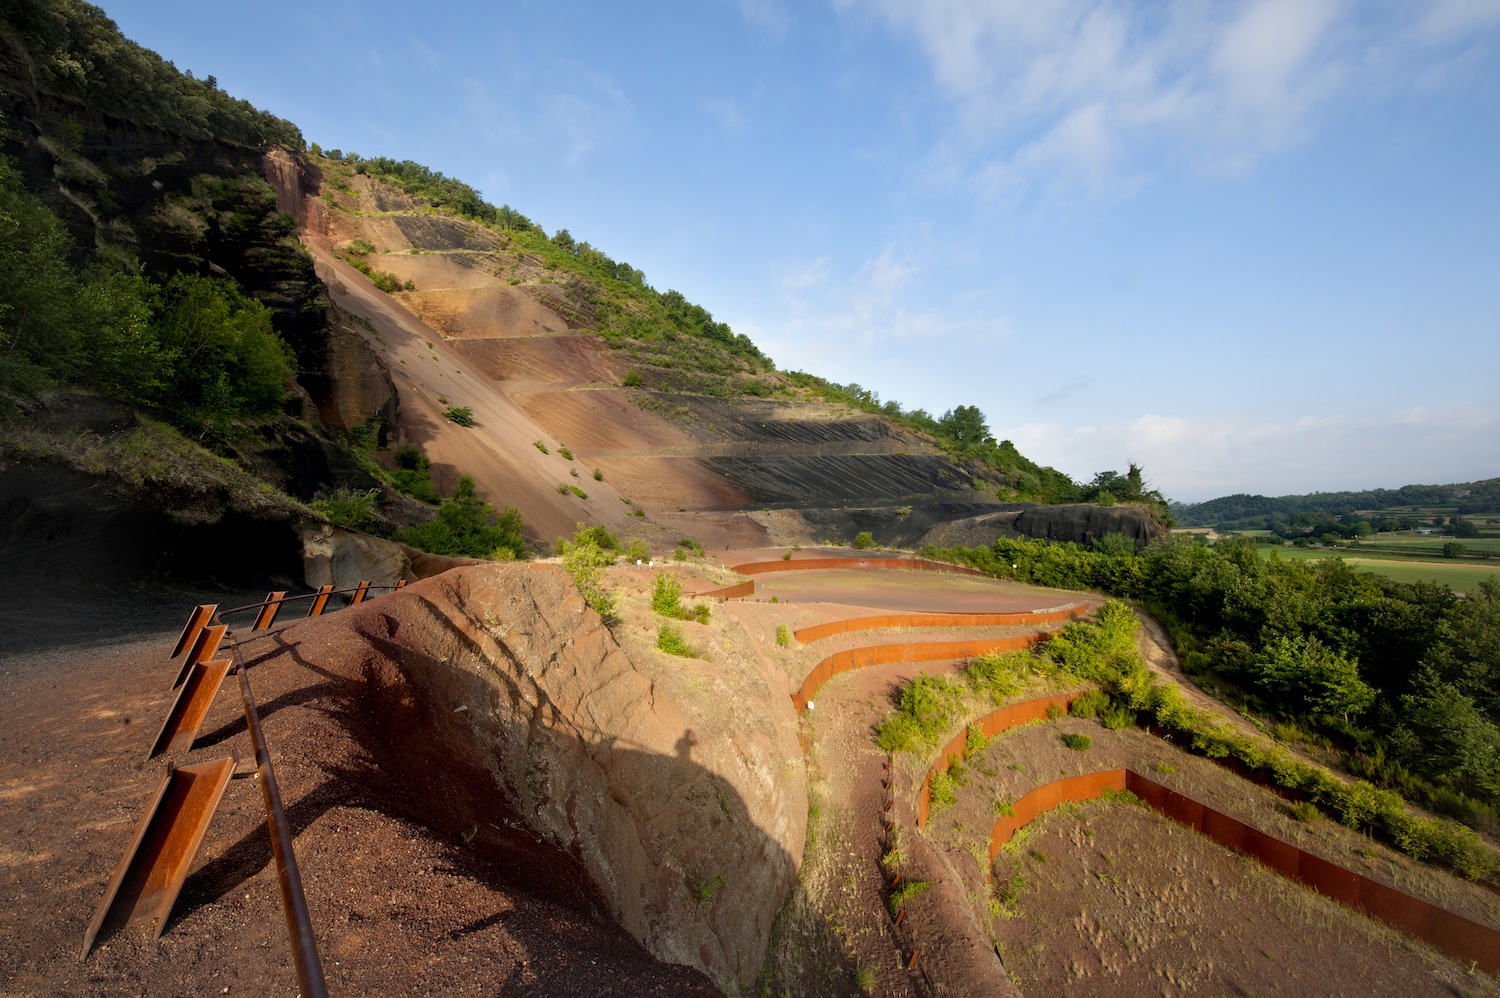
(1253,245)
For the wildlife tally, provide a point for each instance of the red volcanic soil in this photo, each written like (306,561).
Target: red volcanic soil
(399,909)
(937,592)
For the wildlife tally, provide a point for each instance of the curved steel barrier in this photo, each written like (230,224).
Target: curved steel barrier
(860,658)
(731,592)
(818,632)
(1455,935)
(991,724)
(816,564)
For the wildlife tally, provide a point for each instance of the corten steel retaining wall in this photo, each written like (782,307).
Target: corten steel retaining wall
(1453,934)
(813,564)
(1018,618)
(731,592)
(859,658)
(991,724)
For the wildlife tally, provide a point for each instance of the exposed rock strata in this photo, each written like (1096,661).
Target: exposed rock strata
(512,714)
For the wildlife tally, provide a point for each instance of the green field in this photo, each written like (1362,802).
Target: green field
(1462,576)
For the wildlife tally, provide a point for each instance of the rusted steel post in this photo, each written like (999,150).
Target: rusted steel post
(359,593)
(319,601)
(268,610)
(305,959)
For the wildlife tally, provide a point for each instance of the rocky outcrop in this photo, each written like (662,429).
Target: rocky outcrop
(1079,523)
(511,715)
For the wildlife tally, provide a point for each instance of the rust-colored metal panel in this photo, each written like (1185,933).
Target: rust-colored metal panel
(197,620)
(400,583)
(1396,908)
(203,648)
(1329,880)
(1020,619)
(1284,858)
(1223,829)
(268,611)
(156,862)
(930,651)
(319,601)
(359,593)
(991,725)
(1045,798)
(732,592)
(190,708)
(1464,939)
(1453,934)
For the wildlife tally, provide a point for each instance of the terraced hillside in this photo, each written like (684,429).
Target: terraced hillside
(695,435)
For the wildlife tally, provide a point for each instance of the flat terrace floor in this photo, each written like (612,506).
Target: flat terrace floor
(900,589)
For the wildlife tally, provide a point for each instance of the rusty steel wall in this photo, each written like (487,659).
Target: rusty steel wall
(1018,618)
(814,564)
(930,651)
(991,725)
(1045,798)
(1455,935)
(731,592)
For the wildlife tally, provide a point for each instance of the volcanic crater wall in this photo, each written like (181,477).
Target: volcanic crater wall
(511,713)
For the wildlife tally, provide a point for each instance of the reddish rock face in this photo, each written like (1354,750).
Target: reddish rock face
(511,715)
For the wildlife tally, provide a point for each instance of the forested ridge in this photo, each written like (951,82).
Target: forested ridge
(1242,511)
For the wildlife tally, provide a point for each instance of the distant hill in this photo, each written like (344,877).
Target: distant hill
(1465,498)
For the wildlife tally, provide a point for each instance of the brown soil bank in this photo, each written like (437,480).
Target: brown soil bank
(509,713)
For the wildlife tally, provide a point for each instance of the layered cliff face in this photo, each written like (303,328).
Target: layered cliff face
(511,714)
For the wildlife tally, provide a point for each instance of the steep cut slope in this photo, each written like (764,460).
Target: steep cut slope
(695,438)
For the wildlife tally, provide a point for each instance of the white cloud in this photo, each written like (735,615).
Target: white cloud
(1088,93)
(1224,453)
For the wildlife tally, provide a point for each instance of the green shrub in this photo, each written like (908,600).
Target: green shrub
(998,674)
(462,415)
(1453,549)
(577,491)
(598,474)
(905,893)
(1114,546)
(783,636)
(348,507)
(864,539)
(639,550)
(540,446)
(632,378)
(1078,743)
(412,474)
(670,640)
(1054,712)
(1117,717)
(666,595)
(925,708)
(585,560)
(1089,704)
(463,528)
(567,454)
(1303,811)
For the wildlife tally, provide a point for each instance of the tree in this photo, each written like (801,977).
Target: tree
(1306,675)
(964,425)
(463,528)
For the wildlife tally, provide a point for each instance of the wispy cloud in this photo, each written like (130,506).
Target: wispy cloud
(1219,454)
(766,14)
(1091,93)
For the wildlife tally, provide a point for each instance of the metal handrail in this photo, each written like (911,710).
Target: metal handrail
(302,596)
(305,959)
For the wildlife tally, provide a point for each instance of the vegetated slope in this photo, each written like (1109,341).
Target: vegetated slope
(1463,498)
